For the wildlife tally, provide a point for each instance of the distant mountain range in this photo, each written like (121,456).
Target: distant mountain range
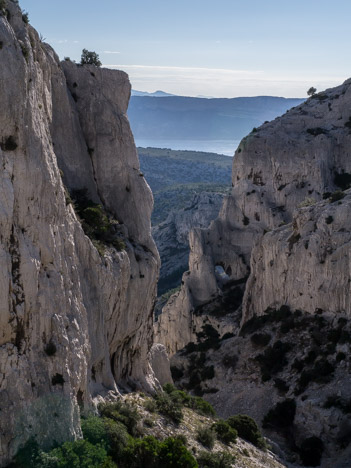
(154,94)
(161,116)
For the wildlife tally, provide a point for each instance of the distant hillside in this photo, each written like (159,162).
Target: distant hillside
(177,117)
(154,94)
(176,176)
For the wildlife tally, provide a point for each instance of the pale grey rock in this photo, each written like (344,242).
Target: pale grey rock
(281,233)
(95,312)
(306,264)
(160,364)
(287,162)
(172,235)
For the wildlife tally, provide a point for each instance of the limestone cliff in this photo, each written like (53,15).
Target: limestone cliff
(282,243)
(75,323)
(172,236)
(294,160)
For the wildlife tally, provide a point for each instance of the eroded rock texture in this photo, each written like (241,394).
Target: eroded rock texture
(282,241)
(172,236)
(288,163)
(74,324)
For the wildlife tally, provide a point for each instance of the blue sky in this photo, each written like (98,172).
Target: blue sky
(220,48)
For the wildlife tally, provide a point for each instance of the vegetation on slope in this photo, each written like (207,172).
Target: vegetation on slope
(175,176)
(170,430)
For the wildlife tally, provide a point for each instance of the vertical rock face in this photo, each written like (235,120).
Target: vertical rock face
(172,236)
(283,235)
(292,161)
(74,324)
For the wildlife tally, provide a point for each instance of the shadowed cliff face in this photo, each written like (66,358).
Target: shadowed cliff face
(285,166)
(74,324)
(282,241)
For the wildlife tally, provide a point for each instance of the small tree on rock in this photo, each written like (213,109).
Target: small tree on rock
(312,91)
(90,58)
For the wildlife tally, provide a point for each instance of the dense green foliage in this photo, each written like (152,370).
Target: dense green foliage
(90,58)
(206,436)
(225,433)
(273,359)
(215,460)
(281,416)
(170,405)
(247,429)
(176,176)
(96,224)
(171,401)
(110,441)
(151,453)
(124,413)
(78,454)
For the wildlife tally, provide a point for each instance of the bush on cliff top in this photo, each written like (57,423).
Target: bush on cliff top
(90,58)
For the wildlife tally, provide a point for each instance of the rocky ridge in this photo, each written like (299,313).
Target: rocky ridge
(76,312)
(282,238)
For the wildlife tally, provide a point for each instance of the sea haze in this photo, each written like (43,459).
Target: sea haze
(225,147)
(198,124)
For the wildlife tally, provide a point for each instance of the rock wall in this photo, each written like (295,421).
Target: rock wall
(74,324)
(172,236)
(292,161)
(283,235)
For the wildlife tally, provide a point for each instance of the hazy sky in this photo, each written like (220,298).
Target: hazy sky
(220,48)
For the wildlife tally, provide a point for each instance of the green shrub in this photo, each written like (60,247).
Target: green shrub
(225,433)
(215,460)
(340,356)
(117,437)
(311,451)
(322,372)
(201,406)
(281,385)
(50,348)
(336,196)
(8,144)
(281,416)
(208,338)
(316,131)
(94,431)
(273,360)
(206,436)
(150,405)
(207,373)
(25,17)
(173,453)
(122,412)
(2,6)
(253,324)
(261,339)
(177,373)
(141,453)
(247,429)
(149,452)
(82,454)
(343,180)
(96,223)
(170,405)
(90,58)
(148,422)
(338,402)
(27,456)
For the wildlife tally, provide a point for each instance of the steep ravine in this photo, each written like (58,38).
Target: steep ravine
(282,240)
(75,323)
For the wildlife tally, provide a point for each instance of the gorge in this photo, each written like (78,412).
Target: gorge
(261,324)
